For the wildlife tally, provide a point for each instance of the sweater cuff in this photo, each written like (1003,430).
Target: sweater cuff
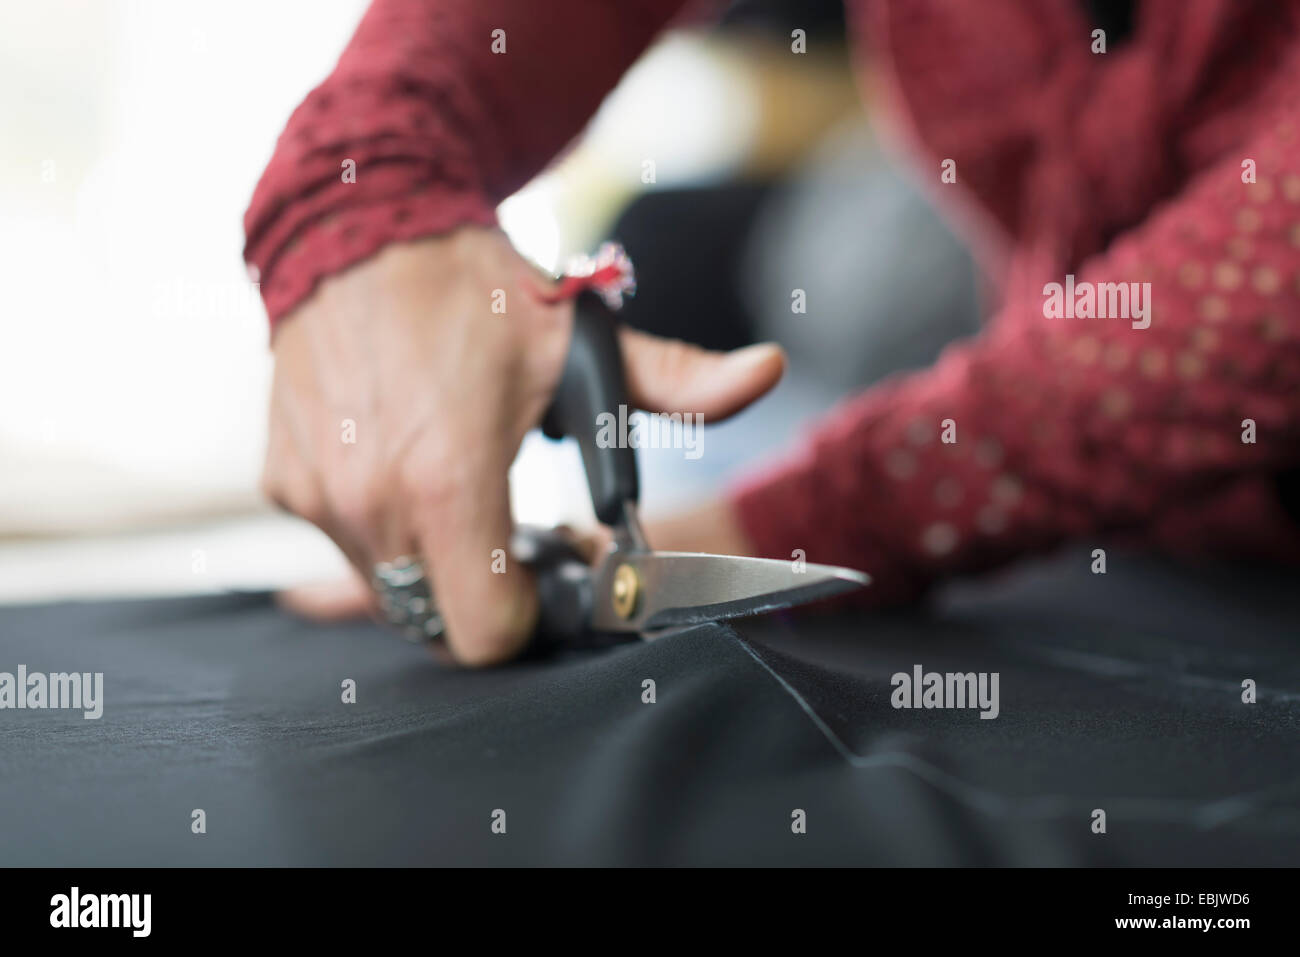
(339,239)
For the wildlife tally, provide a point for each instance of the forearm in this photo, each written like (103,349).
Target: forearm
(1070,427)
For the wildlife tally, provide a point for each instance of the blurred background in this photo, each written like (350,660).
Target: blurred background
(134,367)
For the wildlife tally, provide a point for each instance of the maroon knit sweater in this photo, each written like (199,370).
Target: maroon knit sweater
(1128,166)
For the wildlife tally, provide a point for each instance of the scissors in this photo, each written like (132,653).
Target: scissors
(635,591)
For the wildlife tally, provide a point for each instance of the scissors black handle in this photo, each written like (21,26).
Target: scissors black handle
(592,397)
(565,592)
(591,405)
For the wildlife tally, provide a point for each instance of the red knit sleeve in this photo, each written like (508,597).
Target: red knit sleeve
(442,108)
(1080,426)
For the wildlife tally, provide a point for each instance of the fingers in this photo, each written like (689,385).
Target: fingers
(295,490)
(288,482)
(666,375)
(592,544)
(342,600)
(365,517)
(455,517)
(462,521)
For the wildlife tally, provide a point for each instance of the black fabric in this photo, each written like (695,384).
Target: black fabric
(1120,692)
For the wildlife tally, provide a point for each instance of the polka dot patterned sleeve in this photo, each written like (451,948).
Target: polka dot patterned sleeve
(437,110)
(1057,424)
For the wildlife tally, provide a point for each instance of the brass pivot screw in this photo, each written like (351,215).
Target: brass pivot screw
(626,591)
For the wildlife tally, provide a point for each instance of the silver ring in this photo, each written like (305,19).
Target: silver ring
(406,598)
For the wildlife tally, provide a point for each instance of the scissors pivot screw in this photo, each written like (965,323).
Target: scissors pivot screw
(625,591)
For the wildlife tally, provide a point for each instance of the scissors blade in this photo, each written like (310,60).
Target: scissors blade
(686,588)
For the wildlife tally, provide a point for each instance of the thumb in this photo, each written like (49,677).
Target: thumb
(667,375)
(330,601)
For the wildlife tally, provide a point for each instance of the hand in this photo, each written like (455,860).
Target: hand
(400,399)
(709,527)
